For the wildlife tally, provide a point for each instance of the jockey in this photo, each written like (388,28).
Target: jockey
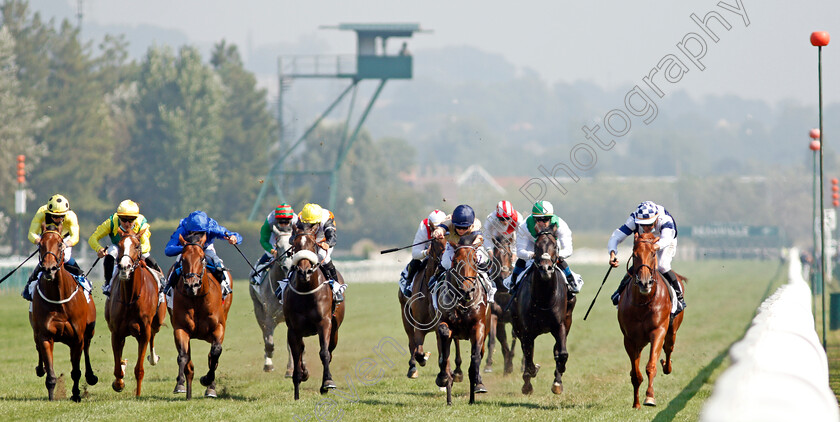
(501,223)
(313,215)
(420,252)
(199,222)
(648,218)
(56,211)
(127,218)
(463,223)
(542,218)
(283,218)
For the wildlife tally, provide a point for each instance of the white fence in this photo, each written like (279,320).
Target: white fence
(779,369)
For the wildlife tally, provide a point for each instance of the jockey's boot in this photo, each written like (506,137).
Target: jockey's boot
(153,264)
(73,268)
(32,277)
(172,279)
(514,277)
(408,275)
(328,268)
(571,283)
(671,277)
(617,295)
(108,267)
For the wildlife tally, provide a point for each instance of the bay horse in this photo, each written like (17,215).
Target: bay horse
(418,315)
(267,309)
(465,315)
(60,312)
(133,309)
(501,266)
(198,311)
(541,307)
(644,315)
(309,309)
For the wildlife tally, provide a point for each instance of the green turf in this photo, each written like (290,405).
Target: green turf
(722,298)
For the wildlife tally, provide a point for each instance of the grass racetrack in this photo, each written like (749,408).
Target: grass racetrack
(722,297)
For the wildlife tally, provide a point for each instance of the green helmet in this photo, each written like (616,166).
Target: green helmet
(542,208)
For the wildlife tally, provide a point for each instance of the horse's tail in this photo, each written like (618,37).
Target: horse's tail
(681,277)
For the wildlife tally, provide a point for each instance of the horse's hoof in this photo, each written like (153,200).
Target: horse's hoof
(289,373)
(154,359)
(508,369)
(180,389)
(76,399)
(327,386)
(480,388)
(412,373)
(488,369)
(527,389)
(650,401)
(39,371)
(210,392)
(458,376)
(268,368)
(304,376)
(91,379)
(123,364)
(441,380)
(666,366)
(118,385)
(557,388)
(206,380)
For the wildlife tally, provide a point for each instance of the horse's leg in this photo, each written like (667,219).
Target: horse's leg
(189,372)
(76,363)
(420,356)
(157,321)
(530,370)
(410,333)
(561,355)
(657,338)
(670,340)
(477,339)
(209,380)
(266,324)
(570,306)
(117,345)
(295,343)
(507,352)
(324,337)
(491,343)
(444,377)
(634,354)
(142,343)
(458,375)
(45,348)
(182,345)
(289,364)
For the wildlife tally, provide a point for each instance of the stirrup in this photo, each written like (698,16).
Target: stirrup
(615,298)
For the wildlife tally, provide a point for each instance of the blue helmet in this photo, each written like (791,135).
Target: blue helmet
(463,216)
(197,221)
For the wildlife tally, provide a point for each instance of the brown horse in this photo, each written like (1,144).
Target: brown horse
(267,309)
(60,312)
(198,311)
(501,266)
(465,315)
(133,309)
(541,307)
(644,316)
(309,310)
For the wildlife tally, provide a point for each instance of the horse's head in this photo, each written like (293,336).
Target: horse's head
(644,261)
(502,255)
(128,252)
(51,251)
(545,253)
(464,273)
(193,262)
(305,250)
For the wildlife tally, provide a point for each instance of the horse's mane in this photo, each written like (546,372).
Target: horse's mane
(51,227)
(193,237)
(467,239)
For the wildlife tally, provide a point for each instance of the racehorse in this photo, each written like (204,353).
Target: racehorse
(644,316)
(198,311)
(501,266)
(60,312)
(309,309)
(267,309)
(133,309)
(418,314)
(465,315)
(541,307)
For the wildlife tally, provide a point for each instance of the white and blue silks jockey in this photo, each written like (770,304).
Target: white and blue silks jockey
(199,222)
(463,223)
(649,218)
(420,250)
(542,219)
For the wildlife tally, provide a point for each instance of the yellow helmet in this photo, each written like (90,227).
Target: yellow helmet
(128,208)
(58,205)
(311,213)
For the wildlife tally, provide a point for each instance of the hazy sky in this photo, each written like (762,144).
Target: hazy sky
(611,43)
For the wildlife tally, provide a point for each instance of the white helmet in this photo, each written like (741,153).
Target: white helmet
(437,217)
(646,213)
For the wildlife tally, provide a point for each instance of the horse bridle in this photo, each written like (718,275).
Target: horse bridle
(134,263)
(190,276)
(59,258)
(634,272)
(466,294)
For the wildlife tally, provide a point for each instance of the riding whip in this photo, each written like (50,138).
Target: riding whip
(16,268)
(404,247)
(92,267)
(245,257)
(596,294)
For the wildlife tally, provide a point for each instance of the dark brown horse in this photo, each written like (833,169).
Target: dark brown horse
(418,314)
(198,311)
(60,312)
(309,310)
(500,268)
(267,309)
(465,315)
(541,307)
(133,309)
(644,316)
